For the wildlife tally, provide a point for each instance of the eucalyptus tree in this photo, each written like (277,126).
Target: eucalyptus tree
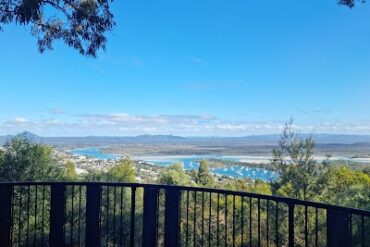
(81,24)
(294,161)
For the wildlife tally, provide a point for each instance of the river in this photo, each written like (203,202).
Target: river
(192,162)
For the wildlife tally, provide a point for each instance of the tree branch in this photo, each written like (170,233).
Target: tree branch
(58,7)
(7,11)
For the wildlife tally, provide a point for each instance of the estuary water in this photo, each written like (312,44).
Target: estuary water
(192,162)
(93,152)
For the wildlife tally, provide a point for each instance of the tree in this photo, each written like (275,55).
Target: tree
(23,160)
(81,24)
(366,170)
(346,187)
(69,173)
(293,159)
(174,175)
(204,177)
(350,3)
(94,175)
(122,172)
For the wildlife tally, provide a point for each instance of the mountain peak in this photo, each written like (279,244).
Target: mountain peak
(29,135)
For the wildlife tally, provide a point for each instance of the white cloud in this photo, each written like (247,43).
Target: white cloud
(122,123)
(20,120)
(16,122)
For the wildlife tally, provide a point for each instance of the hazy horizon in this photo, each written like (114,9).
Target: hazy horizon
(184,136)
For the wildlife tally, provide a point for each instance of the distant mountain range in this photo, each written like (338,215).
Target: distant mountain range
(171,139)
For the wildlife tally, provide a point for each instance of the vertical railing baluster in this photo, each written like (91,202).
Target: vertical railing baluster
(72,215)
(93,200)
(150,222)
(57,212)
(337,228)
(267,223)
(65,211)
(121,218)
(316,227)
(362,231)
(226,220)
(12,216)
(101,215)
(172,217)
(6,192)
(250,221)
(305,226)
(28,215)
(158,217)
(350,230)
(107,217)
(187,218)
(79,213)
(132,216)
(259,221)
(20,216)
(43,215)
(202,230)
(218,219)
(277,223)
(114,215)
(242,221)
(210,219)
(35,215)
(195,219)
(291,224)
(233,220)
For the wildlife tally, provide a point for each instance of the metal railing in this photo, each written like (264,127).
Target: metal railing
(122,214)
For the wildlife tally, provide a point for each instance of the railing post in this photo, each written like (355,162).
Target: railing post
(57,213)
(5,214)
(150,223)
(133,213)
(172,219)
(92,215)
(291,224)
(337,228)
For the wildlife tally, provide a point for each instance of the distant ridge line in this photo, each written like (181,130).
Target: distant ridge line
(269,139)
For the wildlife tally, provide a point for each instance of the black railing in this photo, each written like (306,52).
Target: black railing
(121,214)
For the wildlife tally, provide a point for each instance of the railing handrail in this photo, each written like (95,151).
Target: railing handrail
(287,200)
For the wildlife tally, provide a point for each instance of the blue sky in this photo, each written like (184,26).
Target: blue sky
(197,68)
